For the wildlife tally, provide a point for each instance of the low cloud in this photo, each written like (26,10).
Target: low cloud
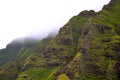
(19,18)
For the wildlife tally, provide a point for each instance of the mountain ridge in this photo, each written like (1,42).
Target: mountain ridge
(86,48)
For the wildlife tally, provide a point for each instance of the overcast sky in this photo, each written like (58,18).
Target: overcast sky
(20,18)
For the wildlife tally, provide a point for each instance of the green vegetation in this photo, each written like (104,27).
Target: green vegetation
(86,48)
(37,74)
(63,77)
(5,56)
(78,21)
(109,17)
(78,55)
(21,59)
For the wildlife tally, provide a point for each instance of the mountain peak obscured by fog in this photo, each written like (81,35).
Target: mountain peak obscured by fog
(37,18)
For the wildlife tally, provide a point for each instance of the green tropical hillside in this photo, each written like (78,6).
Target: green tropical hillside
(86,48)
(13,48)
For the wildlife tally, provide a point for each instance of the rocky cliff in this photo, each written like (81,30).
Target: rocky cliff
(86,48)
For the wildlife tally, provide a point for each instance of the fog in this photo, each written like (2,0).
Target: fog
(20,18)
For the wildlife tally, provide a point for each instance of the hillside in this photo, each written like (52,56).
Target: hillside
(86,48)
(13,48)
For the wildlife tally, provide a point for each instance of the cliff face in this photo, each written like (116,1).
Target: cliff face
(86,48)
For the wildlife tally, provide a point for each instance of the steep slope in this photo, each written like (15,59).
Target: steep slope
(86,48)
(15,65)
(14,47)
(56,54)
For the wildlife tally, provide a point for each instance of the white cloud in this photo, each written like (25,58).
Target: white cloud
(23,17)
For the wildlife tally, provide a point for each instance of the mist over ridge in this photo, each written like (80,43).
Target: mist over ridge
(87,47)
(38,19)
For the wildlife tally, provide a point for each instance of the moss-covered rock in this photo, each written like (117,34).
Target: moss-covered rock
(86,48)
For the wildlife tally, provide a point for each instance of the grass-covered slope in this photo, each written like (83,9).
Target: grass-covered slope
(13,49)
(16,65)
(57,53)
(5,56)
(86,48)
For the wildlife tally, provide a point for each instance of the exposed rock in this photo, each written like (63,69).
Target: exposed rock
(86,13)
(66,41)
(86,48)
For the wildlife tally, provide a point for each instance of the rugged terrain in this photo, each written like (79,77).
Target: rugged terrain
(86,48)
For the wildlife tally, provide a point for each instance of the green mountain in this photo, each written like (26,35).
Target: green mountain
(86,48)
(29,48)
(13,48)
